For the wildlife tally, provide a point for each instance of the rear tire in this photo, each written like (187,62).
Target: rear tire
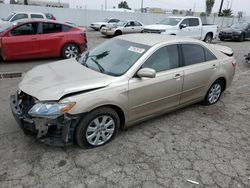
(70,51)
(208,38)
(214,93)
(97,128)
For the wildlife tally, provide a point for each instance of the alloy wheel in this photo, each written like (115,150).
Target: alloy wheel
(100,130)
(71,52)
(214,93)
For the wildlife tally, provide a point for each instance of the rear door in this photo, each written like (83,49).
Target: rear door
(22,42)
(51,39)
(200,68)
(148,96)
(137,27)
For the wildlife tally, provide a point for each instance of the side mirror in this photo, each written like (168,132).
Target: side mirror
(146,73)
(183,26)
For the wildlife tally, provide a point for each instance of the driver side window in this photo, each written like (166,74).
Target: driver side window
(25,29)
(163,59)
(186,22)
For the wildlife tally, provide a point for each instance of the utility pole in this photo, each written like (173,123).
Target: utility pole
(221,7)
(141,6)
(105,4)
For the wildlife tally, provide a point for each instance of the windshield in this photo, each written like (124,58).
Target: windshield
(8,17)
(239,25)
(4,26)
(113,57)
(121,23)
(170,21)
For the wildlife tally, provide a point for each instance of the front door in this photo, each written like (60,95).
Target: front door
(23,42)
(149,96)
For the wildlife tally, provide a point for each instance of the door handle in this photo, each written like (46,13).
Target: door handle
(177,76)
(33,38)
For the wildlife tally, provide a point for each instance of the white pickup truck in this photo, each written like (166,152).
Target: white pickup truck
(188,26)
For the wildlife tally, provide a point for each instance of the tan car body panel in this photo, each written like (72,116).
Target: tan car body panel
(138,98)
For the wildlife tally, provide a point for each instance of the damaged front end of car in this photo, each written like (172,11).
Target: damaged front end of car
(47,121)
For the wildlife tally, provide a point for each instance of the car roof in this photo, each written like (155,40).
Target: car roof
(153,39)
(40,20)
(15,12)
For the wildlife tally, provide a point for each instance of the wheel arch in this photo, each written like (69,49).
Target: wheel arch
(209,33)
(117,109)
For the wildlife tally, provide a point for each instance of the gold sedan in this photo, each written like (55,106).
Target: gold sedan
(123,81)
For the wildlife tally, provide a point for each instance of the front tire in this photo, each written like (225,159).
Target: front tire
(70,51)
(214,93)
(208,38)
(97,128)
(117,33)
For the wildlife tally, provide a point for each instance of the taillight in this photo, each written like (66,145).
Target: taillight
(84,36)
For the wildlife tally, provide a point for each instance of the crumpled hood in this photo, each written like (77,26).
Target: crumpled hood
(158,27)
(54,80)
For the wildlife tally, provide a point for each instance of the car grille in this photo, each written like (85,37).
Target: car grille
(25,102)
(152,31)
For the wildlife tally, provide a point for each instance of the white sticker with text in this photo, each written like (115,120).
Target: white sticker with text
(136,50)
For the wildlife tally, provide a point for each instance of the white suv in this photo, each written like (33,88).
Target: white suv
(14,16)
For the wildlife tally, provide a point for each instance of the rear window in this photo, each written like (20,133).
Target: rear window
(193,22)
(209,56)
(51,28)
(66,28)
(193,54)
(36,16)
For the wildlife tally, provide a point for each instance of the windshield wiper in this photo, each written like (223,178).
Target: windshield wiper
(98,64)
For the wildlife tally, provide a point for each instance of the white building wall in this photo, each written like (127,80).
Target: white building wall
(83,17)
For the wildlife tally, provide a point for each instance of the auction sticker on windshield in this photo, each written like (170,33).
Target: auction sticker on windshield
(136,50)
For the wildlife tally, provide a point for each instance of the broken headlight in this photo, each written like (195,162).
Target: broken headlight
(50,109)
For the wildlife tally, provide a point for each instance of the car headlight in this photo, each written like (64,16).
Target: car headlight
(50,109)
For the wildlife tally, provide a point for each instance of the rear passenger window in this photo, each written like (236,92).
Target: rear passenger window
(193,22)
(51,28)
(36,16)
(193,54)
(163,59)
(209,56)
(137,24)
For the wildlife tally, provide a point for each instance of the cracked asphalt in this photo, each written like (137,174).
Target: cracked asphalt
(208,145)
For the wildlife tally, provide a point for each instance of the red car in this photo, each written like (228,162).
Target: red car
(39,38)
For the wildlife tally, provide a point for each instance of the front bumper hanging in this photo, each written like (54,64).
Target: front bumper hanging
(57,132)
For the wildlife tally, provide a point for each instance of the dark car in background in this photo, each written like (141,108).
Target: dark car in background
(40,38)
(238,31)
